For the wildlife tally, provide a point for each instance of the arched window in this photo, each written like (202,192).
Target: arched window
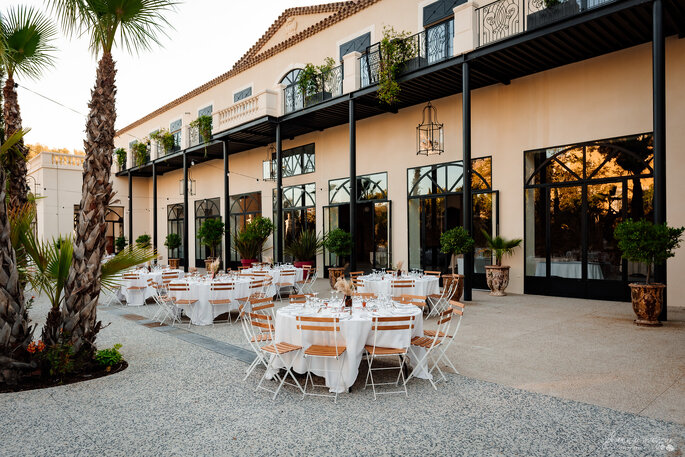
(175,221)
(575,195)
(205,209)
(244,208)
(292,95)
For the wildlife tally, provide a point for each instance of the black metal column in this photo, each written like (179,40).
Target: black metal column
(353,185)
(227,208)
(154,207)
(279,196)
(659,119)
(130,209)
(468,217)
(186,213)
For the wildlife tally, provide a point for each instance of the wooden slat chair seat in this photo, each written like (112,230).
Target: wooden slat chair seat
(336,351)
(416,300)
(425,341)
(299,298)
(281,348)
(401,285)
(388,324)
(356,274)
(261,338)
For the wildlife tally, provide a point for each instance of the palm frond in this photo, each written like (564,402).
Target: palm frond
(12,140)
(135,25)
(27,35)
(124,260)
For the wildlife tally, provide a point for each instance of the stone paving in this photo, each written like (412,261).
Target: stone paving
(183,394)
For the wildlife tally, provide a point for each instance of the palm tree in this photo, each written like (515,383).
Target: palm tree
(27,35)
(135,25)
(15,331)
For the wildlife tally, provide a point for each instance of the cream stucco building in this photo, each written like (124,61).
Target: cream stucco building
(555,107)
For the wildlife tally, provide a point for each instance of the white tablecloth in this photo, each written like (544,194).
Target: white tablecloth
(138,297)
(426,285)
(202,312)
(275,273)
(571,269)
(355,332)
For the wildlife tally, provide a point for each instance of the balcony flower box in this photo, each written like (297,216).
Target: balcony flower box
(552,14)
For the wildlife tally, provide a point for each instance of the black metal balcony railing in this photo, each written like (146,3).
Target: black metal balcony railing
(505,18)
(328,85)
(426,47)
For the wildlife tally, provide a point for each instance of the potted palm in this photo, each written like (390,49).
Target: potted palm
(249,242)
(304,248)
(650,244)
(338,242)
(498,275)
(210,234)
(455,241)
(173,242)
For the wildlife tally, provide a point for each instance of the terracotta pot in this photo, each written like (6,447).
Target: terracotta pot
(647,300)
(498,279)
(174,263)
(334,274)
(248,262)
(447,280)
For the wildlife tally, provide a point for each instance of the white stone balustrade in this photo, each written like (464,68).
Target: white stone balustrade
(264,103)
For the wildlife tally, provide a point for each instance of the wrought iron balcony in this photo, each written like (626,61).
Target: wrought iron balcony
(426,48)
(328,85)
(506,18)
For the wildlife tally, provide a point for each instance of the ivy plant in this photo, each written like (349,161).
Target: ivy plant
(141,152)
(203,124)
(395,50)
(164,139)
(120,154)
(311,79)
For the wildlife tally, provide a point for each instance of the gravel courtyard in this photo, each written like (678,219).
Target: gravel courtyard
(183,394)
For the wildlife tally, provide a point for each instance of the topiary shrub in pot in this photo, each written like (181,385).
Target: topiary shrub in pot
(498,275)
(210,233)
(650,244)
(143,241)
(338,242)
(173,242)
(456,241)
(120,243)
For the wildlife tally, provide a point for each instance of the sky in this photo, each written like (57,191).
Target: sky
(207,38)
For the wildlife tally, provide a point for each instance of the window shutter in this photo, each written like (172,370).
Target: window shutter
(359,44)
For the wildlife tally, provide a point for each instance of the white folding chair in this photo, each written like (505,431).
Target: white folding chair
(335,352)
(391,324)
(176,289)
(274,352)
(135,289)
(256,338)
(458,309)
(401,286)
(218,292)
(440,302)
(286,280)
(166,309)
(306,285)
(430,344)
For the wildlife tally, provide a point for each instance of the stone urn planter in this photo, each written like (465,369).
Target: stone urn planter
(335,273)
(174,263)
(647,300)
(497,278)
(447,281)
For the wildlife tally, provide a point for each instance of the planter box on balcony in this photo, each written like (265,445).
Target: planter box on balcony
(317,98)
(552,14)
(414,64)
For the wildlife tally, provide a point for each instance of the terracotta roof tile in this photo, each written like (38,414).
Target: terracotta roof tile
(340,10)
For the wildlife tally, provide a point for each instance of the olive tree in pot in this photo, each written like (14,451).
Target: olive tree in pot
(249,242)
(338,242)
(456,241)
(497,275)
(651,244)
(210,233)
(304,248)
(173,242)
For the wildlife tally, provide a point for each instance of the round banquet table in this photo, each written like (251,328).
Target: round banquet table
(202,312)
(138,297)
(275,273)
(355,332)
(425,285)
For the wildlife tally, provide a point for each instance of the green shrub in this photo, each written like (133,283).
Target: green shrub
(339,242)
(143,241)
(305,247)
(109,357)
(455,241)
(120,243)
(59,359)
(210,233)
(648,243)
(249,242)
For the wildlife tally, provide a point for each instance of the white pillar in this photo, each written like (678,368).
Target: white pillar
(351,66)
(465,28)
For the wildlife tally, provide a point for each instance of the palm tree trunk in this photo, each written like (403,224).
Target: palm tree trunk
(79,313)
(15,331)
(16,162)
